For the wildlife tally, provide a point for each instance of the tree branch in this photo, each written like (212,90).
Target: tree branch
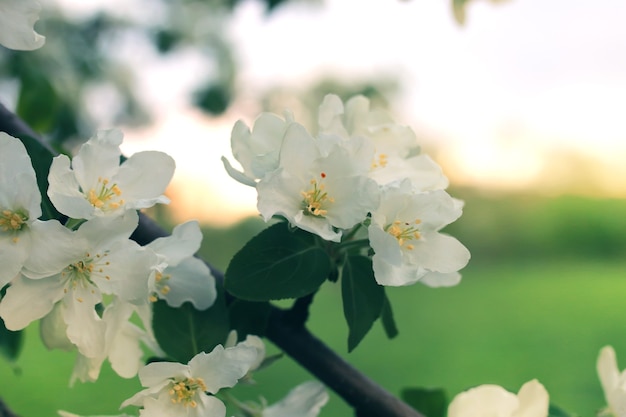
(285,329)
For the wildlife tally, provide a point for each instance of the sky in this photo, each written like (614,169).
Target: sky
(503,101)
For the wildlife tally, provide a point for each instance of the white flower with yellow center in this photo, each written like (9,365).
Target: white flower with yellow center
(17,21)
(532,400)
(404,234)
(20,206)
(94,183)
(75,268)
(257,152)
(174,389)
(180,276)
(613,382)
(396,151)
(320,187)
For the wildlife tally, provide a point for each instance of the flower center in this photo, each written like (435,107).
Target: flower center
(380,162)
(160,284)
(185,390)
(316,198)
(80,274)
(105,196)
(13,221)
(404,232)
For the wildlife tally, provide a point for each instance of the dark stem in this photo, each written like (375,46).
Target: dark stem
(285,329)
(5,411)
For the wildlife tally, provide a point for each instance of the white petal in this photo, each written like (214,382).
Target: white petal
(438,279)
(143,178)
(607,369)
(439,253)
(53,330)
(184,241)
(222,368)
(102,232)
(84,327)
(305,400)
(395,275)
(27,300)
(484,400)
(533,400)
(191,280)
(155,373)
(53,248)
(98,158)
(18,184)
(238,176)
(64,190)
(17,21)
(13,255)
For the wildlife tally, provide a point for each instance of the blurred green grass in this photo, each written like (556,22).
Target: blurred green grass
(542,294)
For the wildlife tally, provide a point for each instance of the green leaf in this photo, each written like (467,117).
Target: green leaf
(363,298)
(183,332)
(249,317)
(41,158)
(10,342)
(277,263)
(38,103)
(389,323)
(430,402)
(458,8)
(554,411)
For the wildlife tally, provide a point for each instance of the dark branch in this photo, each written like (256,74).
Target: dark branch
(285,329)
(5,411)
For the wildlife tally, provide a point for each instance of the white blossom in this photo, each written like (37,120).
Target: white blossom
(180,276)
(76,268)
(397,155)
(613,382)
(532,400)
(404,234)
(319,187)
(17,21)
(94,183)
(174,389)
(257,152)
(20,206)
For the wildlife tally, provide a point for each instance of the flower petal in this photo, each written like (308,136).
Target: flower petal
(222,368)
(191,280)
(305,400)
(17,21)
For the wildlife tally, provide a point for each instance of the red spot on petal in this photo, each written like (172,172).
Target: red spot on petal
(323,175)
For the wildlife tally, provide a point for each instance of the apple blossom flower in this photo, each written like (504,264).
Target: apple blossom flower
(404,234)
(20,206)
(319,187)
(532,400)
(67,414)
(94,183)
(305,400)
(258,151)
(95,259)
(613,382)
(174,389)
(396,155)
(180,277)
(17,21)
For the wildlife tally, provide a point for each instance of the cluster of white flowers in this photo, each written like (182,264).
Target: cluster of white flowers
(61,274)
(360,169)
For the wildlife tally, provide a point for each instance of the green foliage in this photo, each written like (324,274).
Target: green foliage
(363,298)
(554,411)
(249,317)
(429,402)
(184,331)
(389,323)
(278,263)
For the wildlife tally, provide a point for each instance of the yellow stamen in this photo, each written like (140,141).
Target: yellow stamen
(105,197)
(315,198)
(404,232)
